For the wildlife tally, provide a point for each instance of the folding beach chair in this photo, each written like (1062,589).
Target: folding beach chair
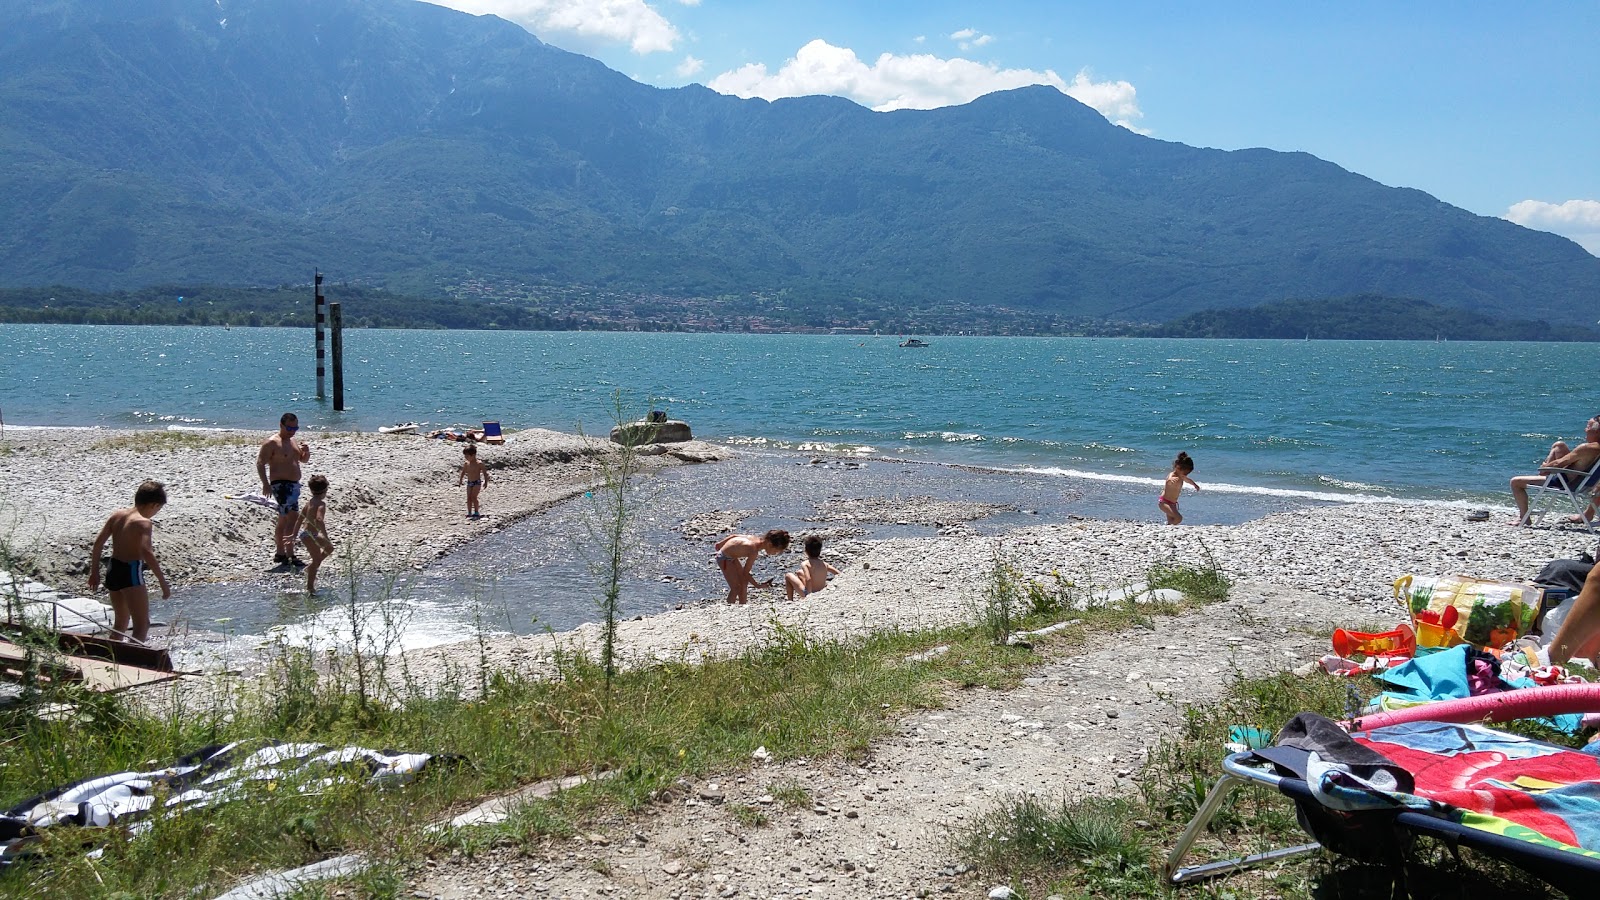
(1576,486)
(491,433)
(1525,802)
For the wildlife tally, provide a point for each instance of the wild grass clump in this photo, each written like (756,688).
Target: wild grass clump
(1203,581)
(1004,598)
(1025,834)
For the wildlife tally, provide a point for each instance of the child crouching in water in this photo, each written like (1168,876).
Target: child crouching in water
(736,556)
(813,574)
(314,530)
(1181,467)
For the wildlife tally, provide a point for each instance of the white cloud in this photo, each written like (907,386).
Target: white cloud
(920,39)
(967,38)
(690,67)
(1575,219)
(916,81)
(633,22)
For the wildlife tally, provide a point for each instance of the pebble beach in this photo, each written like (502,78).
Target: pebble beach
(396,495)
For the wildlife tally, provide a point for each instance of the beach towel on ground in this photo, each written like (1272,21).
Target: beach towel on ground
(211,775)
(253,499)
(1499,783)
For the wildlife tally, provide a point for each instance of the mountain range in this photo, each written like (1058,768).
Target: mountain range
(396,143)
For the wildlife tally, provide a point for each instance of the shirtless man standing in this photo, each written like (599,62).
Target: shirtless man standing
(1580,459)
(278,467)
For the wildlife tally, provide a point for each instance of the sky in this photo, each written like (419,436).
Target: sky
(1490,106)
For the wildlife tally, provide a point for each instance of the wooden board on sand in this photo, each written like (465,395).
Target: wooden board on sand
(95,674)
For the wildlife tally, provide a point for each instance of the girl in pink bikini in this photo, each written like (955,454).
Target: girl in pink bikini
(1181,467)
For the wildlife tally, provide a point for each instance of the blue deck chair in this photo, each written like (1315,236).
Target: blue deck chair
(1576,486)
(492,434)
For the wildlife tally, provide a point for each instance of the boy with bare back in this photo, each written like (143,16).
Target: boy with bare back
(813,574)
(132,552)
(736,556)
(476,476)
(278,467)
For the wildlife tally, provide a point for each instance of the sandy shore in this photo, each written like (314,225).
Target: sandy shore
(394,494)
(397,494)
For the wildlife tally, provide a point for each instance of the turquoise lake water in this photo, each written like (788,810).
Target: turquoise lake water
(1047,427)
(1323,420)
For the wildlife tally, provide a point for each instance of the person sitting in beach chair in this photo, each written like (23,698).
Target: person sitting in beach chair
(1564,469)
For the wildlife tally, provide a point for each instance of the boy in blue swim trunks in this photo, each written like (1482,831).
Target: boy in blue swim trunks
(132,554)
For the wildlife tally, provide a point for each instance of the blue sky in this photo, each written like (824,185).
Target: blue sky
(1490,106)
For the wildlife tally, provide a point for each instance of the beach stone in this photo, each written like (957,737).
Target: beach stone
(672,431)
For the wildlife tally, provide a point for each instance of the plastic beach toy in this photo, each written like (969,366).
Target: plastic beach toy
(1438,629)
(1400,642)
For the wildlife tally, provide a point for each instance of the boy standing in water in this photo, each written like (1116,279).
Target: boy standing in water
(736,556)
(813,574)
(314,530)
(475,476)
(132,552)
(1181,467)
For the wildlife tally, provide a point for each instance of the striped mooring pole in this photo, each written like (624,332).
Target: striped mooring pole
(337,322)
(321,317)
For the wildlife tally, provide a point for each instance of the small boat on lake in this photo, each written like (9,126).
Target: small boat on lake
(913,342)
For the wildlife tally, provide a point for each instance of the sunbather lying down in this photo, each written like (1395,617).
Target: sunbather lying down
(1579,634)
(455,434)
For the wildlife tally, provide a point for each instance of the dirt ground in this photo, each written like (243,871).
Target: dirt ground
(882,827)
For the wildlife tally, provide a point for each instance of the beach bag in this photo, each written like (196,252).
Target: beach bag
(1485,613)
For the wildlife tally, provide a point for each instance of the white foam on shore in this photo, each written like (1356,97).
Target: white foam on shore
(1223,487)
(386,629)
(10,427)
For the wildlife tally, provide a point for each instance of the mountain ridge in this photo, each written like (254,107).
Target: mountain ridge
(396,141)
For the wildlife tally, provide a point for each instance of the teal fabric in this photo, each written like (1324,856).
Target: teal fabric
(1443,676)
(1437,676)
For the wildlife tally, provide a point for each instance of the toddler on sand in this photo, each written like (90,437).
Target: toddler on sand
(813,574)
(476,477)
(314,530)
(736,556)
(1181,467)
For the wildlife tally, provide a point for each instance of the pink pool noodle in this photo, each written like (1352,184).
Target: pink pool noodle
(1526,703)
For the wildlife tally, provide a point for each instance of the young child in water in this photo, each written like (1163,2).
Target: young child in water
(476,477)
(813,574)
(132,552)
(736,556)
(1181,467)
(314,529)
